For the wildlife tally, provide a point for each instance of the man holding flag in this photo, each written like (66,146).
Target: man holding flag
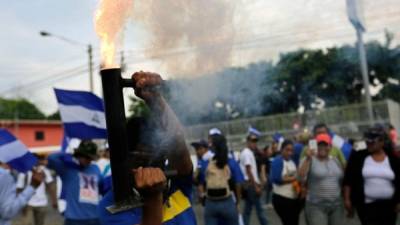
(81,183)
(15,155)
(83,118)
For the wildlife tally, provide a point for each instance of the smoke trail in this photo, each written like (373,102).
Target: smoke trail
(233,92)
(198,34)
(110,19)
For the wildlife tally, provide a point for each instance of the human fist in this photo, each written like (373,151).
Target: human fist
(147,85)
(150,180)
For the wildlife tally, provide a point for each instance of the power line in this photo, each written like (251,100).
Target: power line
(45,79)
(245,44)
(279,35)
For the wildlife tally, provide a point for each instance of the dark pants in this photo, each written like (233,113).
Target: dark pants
(377,213)
(82,222)
(287,209)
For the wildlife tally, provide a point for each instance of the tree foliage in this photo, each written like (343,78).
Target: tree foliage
(19,108)
(305,77)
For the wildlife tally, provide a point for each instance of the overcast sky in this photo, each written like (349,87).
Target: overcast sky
(266,27)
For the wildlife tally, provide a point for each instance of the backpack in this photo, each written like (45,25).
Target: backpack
(217,181)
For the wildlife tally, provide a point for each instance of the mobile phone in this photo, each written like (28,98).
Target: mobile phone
(312,144)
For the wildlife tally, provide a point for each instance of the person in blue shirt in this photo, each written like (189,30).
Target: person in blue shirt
(81,181)
(11,203)
(159,133)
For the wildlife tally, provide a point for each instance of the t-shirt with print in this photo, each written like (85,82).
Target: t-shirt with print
(177,211)
(80,186)
(39,199)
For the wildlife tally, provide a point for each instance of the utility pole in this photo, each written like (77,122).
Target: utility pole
(16,118)
(90,53)
(76,43)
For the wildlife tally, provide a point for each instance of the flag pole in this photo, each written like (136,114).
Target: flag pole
(364,72)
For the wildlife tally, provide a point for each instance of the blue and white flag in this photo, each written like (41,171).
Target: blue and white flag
(82,114)
(354,12)
(278,138)
(254,131)
(15,153)
(68,145)
(342,144)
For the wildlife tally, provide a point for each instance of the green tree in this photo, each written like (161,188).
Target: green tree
(54,116)
(138,108)
(21,108)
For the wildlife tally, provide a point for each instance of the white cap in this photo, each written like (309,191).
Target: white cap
(214,131)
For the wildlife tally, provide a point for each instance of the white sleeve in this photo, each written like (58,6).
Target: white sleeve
(48,177)
(246,159)
(21,180)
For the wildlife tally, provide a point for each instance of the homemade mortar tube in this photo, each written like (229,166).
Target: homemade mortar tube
(117,138)
(125,195)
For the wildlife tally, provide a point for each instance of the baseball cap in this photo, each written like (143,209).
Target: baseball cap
(201,143)
(374,132)
(214,131)
(324,138)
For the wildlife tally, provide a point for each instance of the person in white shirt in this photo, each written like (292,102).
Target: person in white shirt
(254,188)
(286,188)
(37,206)
(104,162)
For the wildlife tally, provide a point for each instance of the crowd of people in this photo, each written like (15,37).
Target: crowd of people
(307,174)
(303,173)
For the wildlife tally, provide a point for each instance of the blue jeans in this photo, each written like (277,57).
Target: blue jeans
(325,213)
(252,199)
(82,222)
(221,210)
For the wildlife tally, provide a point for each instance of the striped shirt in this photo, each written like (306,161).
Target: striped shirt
(324,180)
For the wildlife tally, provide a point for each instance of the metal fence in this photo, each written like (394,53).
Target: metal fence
(349,121)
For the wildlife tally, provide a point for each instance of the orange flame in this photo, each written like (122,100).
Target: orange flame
(110,19)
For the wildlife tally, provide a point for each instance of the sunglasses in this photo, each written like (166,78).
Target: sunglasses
(372,138)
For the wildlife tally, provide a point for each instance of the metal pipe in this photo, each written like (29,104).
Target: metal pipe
(122,159)
(117,137)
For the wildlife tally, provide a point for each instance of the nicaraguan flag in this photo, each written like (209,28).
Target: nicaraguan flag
(15,153)
(252,130)
(354,12)
(68,145)
(82,114)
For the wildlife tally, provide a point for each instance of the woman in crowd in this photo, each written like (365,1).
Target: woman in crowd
(372,181)
(323,176)
(285,186)
(219,205)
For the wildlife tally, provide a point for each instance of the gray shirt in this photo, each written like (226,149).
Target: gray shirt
(324,180)
(10,202)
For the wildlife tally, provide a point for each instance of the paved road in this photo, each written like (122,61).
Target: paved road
(273,218)
(54,218)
